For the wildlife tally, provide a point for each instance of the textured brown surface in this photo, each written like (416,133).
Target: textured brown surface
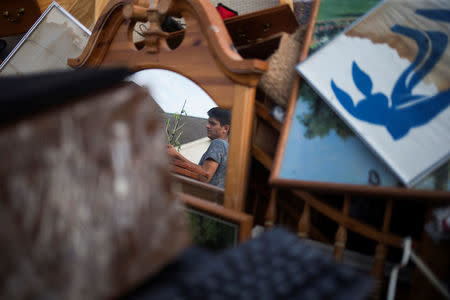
(254,27)
(14,23)
(86,210)
(278,80)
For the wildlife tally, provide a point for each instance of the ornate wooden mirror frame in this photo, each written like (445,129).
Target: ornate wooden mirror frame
(206,56)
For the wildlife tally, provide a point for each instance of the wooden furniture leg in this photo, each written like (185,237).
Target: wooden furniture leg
(341,233)
(304,222)
(271,211)
(239,151)
(381,251)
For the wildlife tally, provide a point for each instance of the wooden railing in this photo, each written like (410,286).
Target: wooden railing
(192,171)
(383,236)
(199,189)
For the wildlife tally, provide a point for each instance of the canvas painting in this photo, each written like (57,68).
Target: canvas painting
(55,37)
(387,77)
(322,148)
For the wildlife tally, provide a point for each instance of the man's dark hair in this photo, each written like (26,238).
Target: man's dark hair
(221,115)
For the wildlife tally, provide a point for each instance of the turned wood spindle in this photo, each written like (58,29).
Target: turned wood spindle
(341,233)
(304,222)
(135,12)
(381,251)
(271,211)
(144,3)
(153,12)
(154,34)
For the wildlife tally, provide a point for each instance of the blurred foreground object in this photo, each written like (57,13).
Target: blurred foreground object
(86,210)
(275,265)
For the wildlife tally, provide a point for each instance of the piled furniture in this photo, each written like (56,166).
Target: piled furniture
(364,225)
(82,202)
(227,59)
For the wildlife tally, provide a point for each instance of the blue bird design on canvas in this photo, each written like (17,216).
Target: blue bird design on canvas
(407,110)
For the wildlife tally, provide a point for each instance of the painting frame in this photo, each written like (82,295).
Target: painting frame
(278,181)
(242,222)
(400,114)
(328,187)
(39,21)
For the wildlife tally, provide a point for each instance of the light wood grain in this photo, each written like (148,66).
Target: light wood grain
(289,2)
(239,151)
(341,233)
(99,6)
(82,10)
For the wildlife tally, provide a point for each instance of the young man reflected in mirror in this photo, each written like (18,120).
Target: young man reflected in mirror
(213,163)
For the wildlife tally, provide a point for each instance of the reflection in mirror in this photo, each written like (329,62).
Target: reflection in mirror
(200,139)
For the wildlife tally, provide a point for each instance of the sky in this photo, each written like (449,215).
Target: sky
(170,90)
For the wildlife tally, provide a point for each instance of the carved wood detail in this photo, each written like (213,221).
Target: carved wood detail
(205,32)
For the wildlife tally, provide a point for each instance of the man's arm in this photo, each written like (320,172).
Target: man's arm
(208,169)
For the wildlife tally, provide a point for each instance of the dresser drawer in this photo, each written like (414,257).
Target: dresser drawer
(17,16)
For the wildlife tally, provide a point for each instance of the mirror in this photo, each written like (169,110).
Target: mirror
(170,90)
(184,105)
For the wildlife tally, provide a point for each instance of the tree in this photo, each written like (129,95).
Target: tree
(320,119)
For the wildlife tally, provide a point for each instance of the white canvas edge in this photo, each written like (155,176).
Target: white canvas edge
(428,171)
(409,182)
(52,5)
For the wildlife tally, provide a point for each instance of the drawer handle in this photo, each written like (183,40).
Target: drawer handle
(14,18)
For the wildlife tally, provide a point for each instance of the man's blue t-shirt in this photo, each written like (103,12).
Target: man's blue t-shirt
(217,151)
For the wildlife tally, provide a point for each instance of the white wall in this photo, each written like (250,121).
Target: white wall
(195,149)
